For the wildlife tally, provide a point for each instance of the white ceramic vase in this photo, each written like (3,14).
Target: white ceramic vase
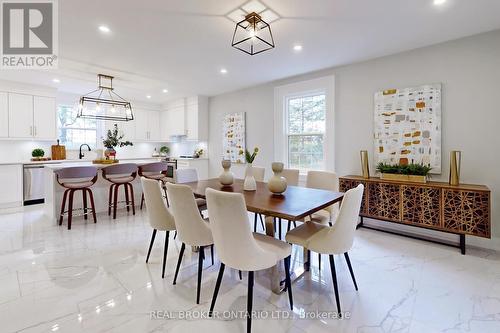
(277,183)
(249,184)
(226,178)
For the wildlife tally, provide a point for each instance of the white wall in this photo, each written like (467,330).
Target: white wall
(469,70)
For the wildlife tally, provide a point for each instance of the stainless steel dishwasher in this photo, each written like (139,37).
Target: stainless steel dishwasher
(33,184)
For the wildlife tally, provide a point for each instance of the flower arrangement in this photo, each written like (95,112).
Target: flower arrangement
(113,139)
(249,158)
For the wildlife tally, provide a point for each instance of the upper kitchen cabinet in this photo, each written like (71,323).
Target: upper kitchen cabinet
(197,118)
(186,117)
(147,125)
(44,118)
(31,117)
(20,116)
(4,115)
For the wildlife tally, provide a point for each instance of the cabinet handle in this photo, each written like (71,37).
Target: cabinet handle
(31,130)
(34,127)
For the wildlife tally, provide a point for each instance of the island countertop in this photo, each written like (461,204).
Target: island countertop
(63,165)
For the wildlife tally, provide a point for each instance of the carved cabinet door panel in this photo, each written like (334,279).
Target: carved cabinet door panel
(467,212)
(384,201)
(421,206)
(347,184)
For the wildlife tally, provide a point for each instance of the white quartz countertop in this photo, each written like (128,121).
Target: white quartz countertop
(150,159)
(60,166)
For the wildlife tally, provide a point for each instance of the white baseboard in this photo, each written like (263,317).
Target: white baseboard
(485,243)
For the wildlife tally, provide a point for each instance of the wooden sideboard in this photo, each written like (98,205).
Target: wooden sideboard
(462,210)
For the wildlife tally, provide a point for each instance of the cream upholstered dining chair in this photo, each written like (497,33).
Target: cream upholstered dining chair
(324,180)
(159,214)
(337,239)
(187,176)
(239,248)
(192,229)
(258,174)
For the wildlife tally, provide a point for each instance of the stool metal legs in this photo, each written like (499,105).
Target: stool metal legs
(68,196)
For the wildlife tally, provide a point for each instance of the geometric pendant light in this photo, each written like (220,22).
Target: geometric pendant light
(253,35)
(103,103)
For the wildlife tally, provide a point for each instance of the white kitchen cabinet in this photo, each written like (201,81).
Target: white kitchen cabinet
(4,115)
(44,118)
(11,178)
(20,116)
(186,117)
(32,117)
(147,125)
(197,118)
(154,125)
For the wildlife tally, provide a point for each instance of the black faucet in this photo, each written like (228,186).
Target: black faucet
(81,155)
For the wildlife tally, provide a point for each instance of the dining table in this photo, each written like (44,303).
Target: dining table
(294,205)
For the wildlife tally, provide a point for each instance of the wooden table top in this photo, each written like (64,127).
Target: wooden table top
(295,204)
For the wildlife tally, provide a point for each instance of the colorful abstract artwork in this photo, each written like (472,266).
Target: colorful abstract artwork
(233,137)
(407,126)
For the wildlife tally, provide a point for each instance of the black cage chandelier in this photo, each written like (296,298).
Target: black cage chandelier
(253,35)
(103,103)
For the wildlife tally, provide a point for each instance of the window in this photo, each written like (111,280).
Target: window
(75,131)
(305,129)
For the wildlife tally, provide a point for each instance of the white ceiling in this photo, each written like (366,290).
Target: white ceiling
(182,45)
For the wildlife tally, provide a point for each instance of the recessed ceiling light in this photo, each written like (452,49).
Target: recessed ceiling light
(297,47)
(104,28)
(56,80)
(164,91)
(439,2)
(148,96)
(223,71)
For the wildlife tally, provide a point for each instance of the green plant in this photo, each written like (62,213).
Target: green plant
(164,150)
(113,139)
(38,152)
(410,169)
(249,158)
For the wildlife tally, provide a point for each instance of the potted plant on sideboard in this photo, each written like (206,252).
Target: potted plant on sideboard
(417,173)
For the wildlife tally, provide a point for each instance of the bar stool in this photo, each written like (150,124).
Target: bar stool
(76,179)
(117,175)
(156,171)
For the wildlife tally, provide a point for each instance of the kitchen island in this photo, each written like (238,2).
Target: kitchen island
(54,192)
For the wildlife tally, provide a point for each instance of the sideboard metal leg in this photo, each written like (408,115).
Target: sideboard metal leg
(462,244)
(360,224)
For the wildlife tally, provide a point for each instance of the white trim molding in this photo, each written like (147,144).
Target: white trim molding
(324,85)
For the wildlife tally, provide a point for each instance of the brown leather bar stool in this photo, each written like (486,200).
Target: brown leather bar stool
(156,171)
(118,175)
(77,179)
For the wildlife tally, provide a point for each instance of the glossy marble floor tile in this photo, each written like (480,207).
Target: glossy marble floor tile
(94,279)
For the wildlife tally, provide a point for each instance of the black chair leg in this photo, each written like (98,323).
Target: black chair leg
(200,269)
(181,254)
(289,226)
(239,273)
(216,290)
(319,261)
(151,244)
(249,301)
(279,228)
(262,222)
(288,281)
(350,269)
(175,235)
(335,286)
(165,254)
(255,222)
(212,253)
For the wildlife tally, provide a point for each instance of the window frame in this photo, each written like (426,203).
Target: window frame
(304,134)
(99,130)
(322,85)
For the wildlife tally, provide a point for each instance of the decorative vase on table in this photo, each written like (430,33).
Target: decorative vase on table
(110,153)
(249,184)
(277,183)
(226,178)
